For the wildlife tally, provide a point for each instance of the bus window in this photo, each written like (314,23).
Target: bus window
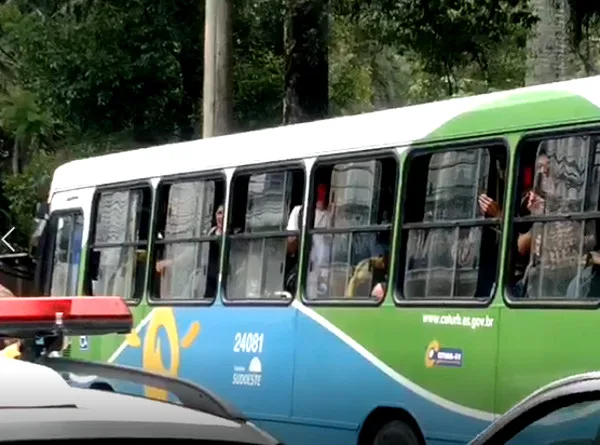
(188,234)
(120,243)
(261,264)
(350,221)
(450,237)
(66,253)
(555,248)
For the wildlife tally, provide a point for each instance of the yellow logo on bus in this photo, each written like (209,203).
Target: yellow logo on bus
(152,349)
(430,353)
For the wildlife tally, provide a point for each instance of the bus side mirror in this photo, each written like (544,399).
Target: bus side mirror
(42,210)
(41,221)
(37,245)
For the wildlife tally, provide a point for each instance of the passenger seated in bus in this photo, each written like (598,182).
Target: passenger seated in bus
(320,250)
(531,203)
(530,240)
(217,229)
(371,271)
(293,225)
(319,246)
(587,282)
(212,273)
(188,256)
(464,250)
(293,256)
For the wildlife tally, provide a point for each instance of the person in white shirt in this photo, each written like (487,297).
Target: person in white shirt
(321,243)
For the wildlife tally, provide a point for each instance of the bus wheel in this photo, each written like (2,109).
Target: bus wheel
(396,432)
(102,386)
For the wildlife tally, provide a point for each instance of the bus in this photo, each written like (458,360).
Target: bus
(402,276)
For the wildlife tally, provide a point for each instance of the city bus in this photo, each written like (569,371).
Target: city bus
(402,276)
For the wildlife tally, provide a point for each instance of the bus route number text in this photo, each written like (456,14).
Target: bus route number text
(251,342)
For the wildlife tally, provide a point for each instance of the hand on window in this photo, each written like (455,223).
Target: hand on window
(489,207)
(535,203)
(162,265)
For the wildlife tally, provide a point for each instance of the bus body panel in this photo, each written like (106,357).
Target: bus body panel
(328,369)
(323,370)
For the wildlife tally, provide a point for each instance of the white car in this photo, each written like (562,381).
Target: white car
(38,405)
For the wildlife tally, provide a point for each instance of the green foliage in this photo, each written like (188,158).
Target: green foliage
(448,37)
(258,70)
(584,17)
(23,118)
(350,71)
(114,69)
(83,77)
(259,80)
(25,190)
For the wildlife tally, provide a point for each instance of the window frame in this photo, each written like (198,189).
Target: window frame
(332,160)
(124,186)
(528,303)
(271,167)
(49,251)
(492,144)
(152,298)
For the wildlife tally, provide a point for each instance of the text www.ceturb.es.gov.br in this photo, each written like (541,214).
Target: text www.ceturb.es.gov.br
(459,320)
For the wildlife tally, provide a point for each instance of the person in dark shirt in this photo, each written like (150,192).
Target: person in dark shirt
(212,273)
(532,203)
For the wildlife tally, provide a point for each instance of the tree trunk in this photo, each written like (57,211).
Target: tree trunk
(218,67)
(548,46)
(307,68)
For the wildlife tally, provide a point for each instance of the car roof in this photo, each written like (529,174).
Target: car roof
(576,384)
(37,404)
(25,384)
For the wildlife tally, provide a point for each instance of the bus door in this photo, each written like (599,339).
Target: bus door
(63,243)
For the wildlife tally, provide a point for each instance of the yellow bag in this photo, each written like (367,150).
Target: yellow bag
(11,351)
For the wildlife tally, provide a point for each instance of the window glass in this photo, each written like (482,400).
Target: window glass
(263,255)
(454,182)
(352,212)
(67,254)
(120,243)
(117,216)
(451,220)
(577,424)
(190,224)
(556,252)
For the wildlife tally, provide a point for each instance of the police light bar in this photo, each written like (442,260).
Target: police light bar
(26,316)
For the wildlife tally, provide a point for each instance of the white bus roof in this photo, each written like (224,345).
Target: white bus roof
(390,128)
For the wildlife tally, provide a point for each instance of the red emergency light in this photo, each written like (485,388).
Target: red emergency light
(69,315)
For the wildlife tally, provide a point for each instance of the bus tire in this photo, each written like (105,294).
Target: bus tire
(396,432)
(102,386)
